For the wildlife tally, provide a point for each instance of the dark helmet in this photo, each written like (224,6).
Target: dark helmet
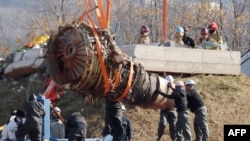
(20,113)
(185,29)
(32,97)
(213,26)
(13,112)
(204,31)
(144,29)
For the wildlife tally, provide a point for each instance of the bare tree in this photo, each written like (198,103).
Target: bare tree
(128,16)
(239,30)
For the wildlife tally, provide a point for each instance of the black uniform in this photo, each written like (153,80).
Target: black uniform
(34,120)
(194,100)
(197,107)
(77,127)
(182,126)
(179,97)
(113,119)
(188,41)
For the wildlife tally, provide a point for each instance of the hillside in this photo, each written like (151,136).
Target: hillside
(226,97)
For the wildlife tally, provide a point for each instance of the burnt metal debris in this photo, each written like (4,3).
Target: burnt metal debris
(71,58)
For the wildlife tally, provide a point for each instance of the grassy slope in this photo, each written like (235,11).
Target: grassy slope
(226,97)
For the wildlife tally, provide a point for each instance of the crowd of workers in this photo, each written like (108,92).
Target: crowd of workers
(185,97)
(181,37)
(29,121)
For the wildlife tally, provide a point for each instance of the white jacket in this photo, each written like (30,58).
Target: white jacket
(5,132)
(10,129)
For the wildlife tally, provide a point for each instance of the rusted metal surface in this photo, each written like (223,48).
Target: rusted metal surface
(72,61)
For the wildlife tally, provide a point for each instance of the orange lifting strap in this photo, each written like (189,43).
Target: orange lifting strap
(84,13)
(126,91)
(117,80)
(108,13)
(103,24)
(100,58)
(100,14)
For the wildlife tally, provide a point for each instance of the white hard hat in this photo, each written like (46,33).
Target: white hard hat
(108,138)
(179,83)
(57,109)
(170,78)
(190,82)
(123,107)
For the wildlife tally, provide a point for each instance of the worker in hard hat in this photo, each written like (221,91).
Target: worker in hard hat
(57,128)
(182,125)
(127,130)
(144,37)
(196,106)
(204,36)
(206,42)
(168,116)
(178,36)
(214,33)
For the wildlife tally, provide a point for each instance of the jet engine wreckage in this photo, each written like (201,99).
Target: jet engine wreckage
(84,58)
(87,60)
